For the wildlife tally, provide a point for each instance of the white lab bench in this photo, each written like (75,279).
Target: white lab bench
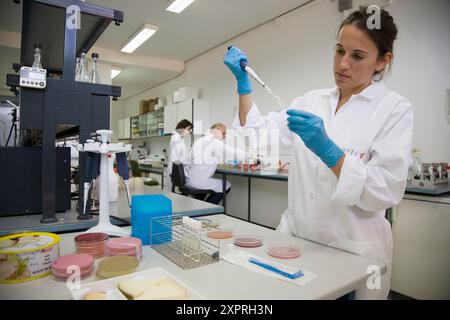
(338,272)
(67,221)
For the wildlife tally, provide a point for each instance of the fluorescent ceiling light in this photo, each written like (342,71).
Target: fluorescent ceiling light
(142,35)
(115,72)
(179,5)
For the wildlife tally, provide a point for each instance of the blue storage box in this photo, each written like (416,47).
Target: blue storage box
(144,210)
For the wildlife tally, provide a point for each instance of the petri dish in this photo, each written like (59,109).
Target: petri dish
(91,237)
(84,261)
(248,241)
(117,266)
(66,275)
(220,234)
(283,251)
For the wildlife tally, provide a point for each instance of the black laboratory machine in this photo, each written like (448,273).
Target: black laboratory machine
(34,172)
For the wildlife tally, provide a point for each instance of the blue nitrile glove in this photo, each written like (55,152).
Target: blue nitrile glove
(233,60)
(312,131)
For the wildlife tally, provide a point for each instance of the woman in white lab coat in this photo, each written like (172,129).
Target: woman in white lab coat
(178,147)
(350,147)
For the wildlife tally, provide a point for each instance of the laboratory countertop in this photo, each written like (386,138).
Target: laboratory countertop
(410,194)
(443,198)
(67,221)
(271,175)
(338,272)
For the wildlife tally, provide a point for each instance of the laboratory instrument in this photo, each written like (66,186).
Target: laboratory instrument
(246,67)
(104,148)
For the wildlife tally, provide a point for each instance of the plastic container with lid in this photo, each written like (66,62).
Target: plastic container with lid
(27,256)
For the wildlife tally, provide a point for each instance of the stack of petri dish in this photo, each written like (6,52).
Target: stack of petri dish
(116,266)
(283,251)
(220,234)
(65,266)
(247,241)
(126,246)
(92,243)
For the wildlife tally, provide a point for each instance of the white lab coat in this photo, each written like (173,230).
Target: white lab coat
(208,152)
(374,128)
(178,150)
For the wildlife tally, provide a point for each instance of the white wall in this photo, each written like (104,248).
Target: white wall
(296,56)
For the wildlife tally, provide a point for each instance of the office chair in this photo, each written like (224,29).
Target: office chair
(179,180)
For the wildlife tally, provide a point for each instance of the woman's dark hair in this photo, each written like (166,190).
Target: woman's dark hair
(184,124)
(383,37)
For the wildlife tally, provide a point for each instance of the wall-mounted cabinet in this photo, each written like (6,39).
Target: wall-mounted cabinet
(149,124)
(164,120)
(195,110)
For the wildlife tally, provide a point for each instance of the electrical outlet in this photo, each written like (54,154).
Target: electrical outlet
(345,5)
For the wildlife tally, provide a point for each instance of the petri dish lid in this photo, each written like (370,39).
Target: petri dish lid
(283,251)
(220,234)
(248,241)
(91,237)
(83,260)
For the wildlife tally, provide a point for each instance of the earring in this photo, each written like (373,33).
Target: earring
(378,76)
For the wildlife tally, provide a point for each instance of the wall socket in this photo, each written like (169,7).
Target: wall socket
(345,5)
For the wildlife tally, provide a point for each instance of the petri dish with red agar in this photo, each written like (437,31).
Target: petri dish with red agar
(126,246)
(220,234)
(248,241)
(62,267)
(92,243)
(283,251)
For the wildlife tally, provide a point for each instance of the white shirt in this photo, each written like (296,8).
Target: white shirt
(207,153)
(178,150)
(374,128)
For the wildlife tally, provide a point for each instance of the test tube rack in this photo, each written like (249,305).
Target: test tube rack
(186,246)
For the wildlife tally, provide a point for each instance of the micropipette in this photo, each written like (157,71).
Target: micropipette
(245,67)
(122,165)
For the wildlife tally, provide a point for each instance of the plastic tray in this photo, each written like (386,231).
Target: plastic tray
(111,286)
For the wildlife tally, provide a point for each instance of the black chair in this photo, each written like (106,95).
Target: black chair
(179,180)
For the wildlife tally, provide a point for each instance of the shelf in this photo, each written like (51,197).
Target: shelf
(44,23)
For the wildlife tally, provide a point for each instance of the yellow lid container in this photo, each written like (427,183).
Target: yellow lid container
(27,256)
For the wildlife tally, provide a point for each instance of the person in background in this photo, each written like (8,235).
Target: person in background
(350,146)
(179,147)
(208,152)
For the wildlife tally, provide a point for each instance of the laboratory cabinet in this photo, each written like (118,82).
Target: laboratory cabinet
(194,110)
(124,129)
(421,261)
